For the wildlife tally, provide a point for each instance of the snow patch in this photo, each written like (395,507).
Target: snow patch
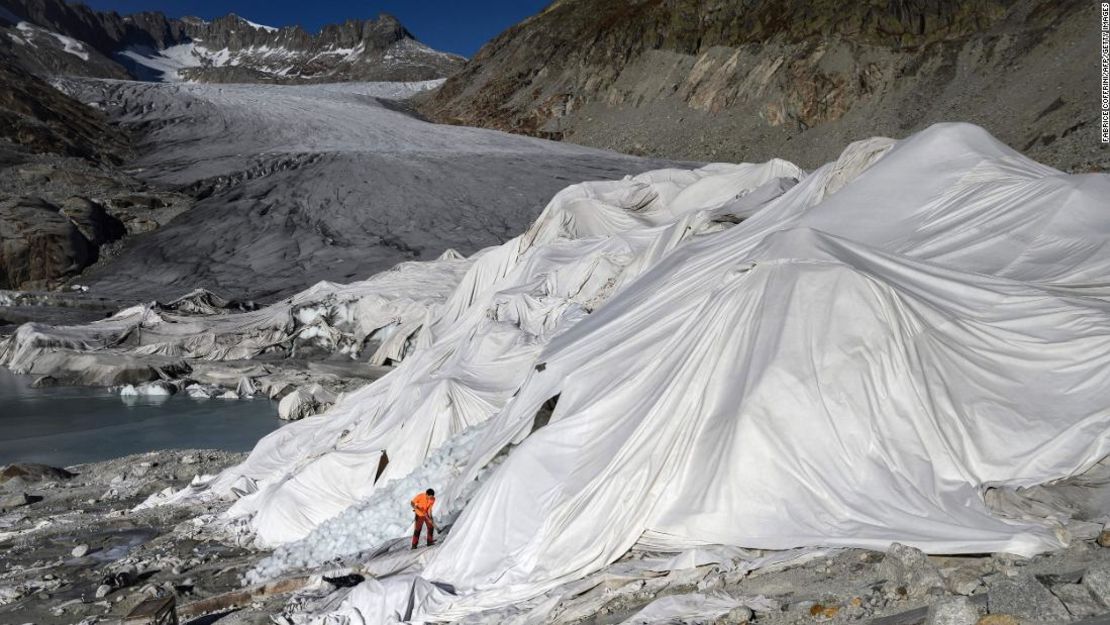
(167,63)
(269,29)
(71,45)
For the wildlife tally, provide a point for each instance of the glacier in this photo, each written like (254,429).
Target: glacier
(750,356)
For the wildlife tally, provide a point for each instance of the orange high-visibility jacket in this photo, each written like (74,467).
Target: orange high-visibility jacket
(423,503)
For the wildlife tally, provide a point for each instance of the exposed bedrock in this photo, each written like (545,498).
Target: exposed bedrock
(748,80)
(40,242)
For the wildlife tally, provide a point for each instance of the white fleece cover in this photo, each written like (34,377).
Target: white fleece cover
(851,365)
(389,307)
(473,355)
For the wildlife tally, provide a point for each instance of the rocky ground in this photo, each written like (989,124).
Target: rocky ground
(62,215)
(748,81)
(901,586)
(65,204)
(74,549)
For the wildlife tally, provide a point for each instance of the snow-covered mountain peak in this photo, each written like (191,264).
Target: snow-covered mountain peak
(231,48)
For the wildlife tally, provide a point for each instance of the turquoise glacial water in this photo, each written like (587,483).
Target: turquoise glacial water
(65,426)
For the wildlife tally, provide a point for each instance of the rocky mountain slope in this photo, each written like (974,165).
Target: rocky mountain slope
(745,81)
(63,200)
(53,37)
(36,117)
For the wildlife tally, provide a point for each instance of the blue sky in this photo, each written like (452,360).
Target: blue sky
(457,26)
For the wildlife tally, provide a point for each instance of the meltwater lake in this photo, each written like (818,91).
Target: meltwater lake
(66,426)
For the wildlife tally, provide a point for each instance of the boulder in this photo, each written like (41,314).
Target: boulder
(952,611)
(739,615)
(11,502)
(1078,600)
(1026,598)
(80,551)
(32,472)
(963,581)
(910,568)
(1097,581)
(10,594)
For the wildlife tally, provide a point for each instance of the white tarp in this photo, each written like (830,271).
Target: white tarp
(382,312)
(850,369)
(473,357)
(694,607)
(852,364)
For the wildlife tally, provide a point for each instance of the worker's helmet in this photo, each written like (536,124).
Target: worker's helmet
(431,492)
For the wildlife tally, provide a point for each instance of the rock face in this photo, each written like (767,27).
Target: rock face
(38,118)
(745,81)
(55,155)
(53,37)
(41,242)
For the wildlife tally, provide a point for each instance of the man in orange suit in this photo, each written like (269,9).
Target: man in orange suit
(422,508)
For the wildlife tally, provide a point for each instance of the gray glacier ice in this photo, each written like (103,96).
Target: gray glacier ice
(303,183)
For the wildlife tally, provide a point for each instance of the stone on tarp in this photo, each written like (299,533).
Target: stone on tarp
(1104,536)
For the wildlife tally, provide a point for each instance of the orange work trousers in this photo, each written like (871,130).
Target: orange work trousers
(422,522)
